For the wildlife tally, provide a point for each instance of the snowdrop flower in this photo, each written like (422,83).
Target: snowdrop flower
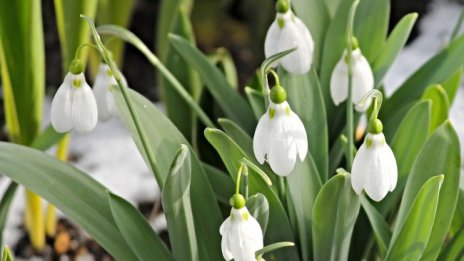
(104,83)
(374,166)
(286,32)
(241,234)
(362,79)
(280,135)
(74,104)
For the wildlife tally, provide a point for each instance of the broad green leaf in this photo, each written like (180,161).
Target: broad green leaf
(238,135)
(178,111)
(454,249)
(452,85)
(178,209)
(165,140)
(23,67)
(410,240)
(233,105)
(256,101)
(259,209)
(409,138)
(436,70)
(334,215)
(5,204)
(440,155)
(440,105)
(315,15)
(72,30)
(137,232)
(231,155)
(392,47)
(371,26)
(223,185)
(77,195)
(379,225)
(458,220)
(305,98)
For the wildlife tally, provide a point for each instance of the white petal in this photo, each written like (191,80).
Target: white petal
(299,135)
(359,171)
(261,138)
(282,157)
(84,112)
(339,82)
(390,160)
(363,78)
(60,114)
(271,43)
(299,61)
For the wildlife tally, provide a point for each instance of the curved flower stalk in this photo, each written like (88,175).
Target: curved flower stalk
(286,32)
(102,89)
(280,135)
(362,77)
(374,166)
(74,104)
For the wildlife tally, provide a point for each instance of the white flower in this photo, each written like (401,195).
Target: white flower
(374,168)
(102,90)
(286,32)
(279,137)
(362,80)
(74,105)
(241,236)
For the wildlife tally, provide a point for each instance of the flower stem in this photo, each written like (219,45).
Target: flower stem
(239,175)
(282,191)
(273,247)
(349,103)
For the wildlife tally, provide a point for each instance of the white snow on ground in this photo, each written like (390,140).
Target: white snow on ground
(435,32)
(109,155)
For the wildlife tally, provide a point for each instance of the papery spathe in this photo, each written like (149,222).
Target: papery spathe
(374,168)
(287,32)
(241,236)
(362,78)
(74,105)
(279,138)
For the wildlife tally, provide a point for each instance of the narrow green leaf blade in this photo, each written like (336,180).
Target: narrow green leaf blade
(137,232)
(178,209)
(454,249)
(409,241)
(233,105)
(379,225)
(81,198)
(5,204)
(452,85)
(440,105)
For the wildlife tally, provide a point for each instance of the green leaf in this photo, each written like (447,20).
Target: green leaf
(178,209)
(440,105)
(392,47)
(23,67)
(436,70)
(5,204)
(46,138)
(137,232)
(454,249)
(178,111)
(223,59)
(305,98)
(165,140)
(256,100)
(6,254)
(233,105)
(258,206)
(238,135)
(409,138)
(440,155)
(316,17)
(379,225)
(72,30)
(334,215)
(371,26)
(223,185)
(232,155)
(410,239)
(452,85)
(75,193)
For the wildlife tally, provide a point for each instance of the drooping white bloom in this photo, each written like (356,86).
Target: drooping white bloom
(374,168)
(74,105)
(102,90)
(279,137)
(362,79)
(286,32)
(241,236)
